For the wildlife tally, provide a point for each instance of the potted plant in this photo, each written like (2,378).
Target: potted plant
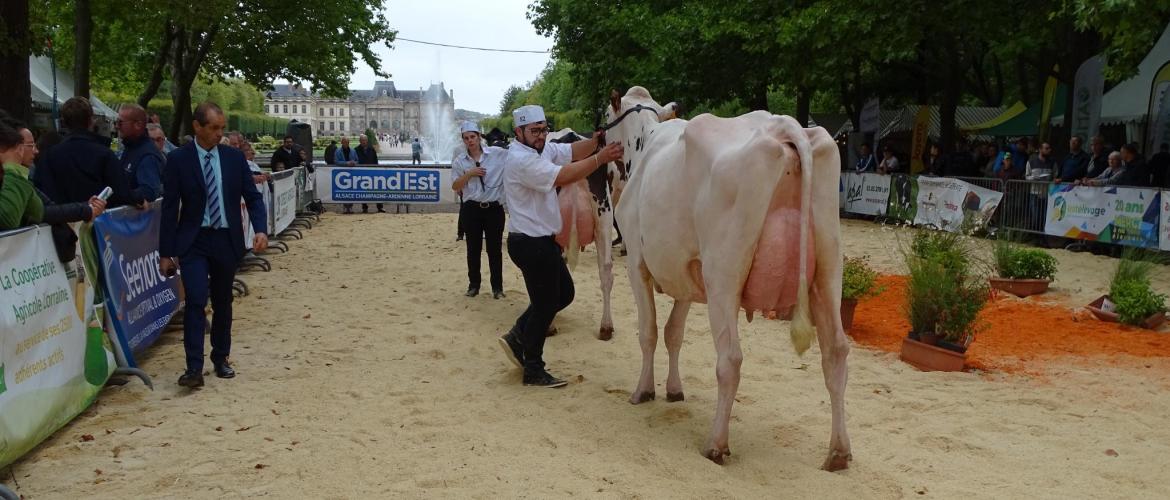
(858,281)
(1131,299)
(1022,271)
(943,300)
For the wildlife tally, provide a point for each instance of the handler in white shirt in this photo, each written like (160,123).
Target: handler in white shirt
(532,173)
(479,174)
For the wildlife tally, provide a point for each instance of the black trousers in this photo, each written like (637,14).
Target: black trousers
(481,223)
(550,289)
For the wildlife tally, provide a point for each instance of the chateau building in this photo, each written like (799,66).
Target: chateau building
(384,108)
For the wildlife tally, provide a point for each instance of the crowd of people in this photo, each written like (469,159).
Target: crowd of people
(1029,159)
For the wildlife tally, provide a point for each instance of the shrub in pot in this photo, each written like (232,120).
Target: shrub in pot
(1022,271)
(943,300)
(1131,299)
(858,281)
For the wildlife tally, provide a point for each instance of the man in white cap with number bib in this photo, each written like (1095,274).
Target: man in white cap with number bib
(479,174)
(532,172)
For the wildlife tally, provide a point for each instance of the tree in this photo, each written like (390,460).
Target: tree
(15,45)
(507,104)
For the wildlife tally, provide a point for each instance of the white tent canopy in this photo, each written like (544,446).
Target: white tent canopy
(40,75)
(1129,101)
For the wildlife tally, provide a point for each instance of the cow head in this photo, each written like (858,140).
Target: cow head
(632,118)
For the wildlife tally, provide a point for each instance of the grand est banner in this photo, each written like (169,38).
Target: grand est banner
(384,185)
(141,300)
(54,356)
(865,193)
(1123,216)
(944,203)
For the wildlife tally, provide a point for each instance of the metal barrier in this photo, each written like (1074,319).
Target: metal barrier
(1025,206)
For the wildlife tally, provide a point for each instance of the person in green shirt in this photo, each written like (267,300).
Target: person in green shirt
(19,203)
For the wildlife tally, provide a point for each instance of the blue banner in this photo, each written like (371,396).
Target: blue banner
(392,185)
(141,301)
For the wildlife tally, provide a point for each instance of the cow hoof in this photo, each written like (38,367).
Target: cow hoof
(717,455)
(605,333)
(638,398)
(837,461)
(552,331)
(674,397)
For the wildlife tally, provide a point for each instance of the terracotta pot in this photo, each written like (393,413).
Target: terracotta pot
(928,338)
(847,308)
(1020,287)
(930,358)
(1153,322)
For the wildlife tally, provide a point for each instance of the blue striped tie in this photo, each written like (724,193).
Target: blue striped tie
(215,217)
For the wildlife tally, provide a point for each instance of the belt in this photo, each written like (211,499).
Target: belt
(522,235)
(482,204)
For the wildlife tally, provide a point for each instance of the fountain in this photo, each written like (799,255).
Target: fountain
(441,134)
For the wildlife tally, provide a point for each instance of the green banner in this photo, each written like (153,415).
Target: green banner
(54,355)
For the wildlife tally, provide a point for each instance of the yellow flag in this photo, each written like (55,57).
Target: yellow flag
(920,132)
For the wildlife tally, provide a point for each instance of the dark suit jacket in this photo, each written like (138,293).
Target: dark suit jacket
(185,199)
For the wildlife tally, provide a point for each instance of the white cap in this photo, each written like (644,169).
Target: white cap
(527,114)
(468,126)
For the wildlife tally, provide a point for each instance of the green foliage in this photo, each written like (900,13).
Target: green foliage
(1128,28)
(1130,290)
(1015,262)
(858,280)
(372,138)
(1135,301)
(944,301)
(946,248)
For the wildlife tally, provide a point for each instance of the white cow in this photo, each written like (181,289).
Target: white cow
(737,213)
(587,216)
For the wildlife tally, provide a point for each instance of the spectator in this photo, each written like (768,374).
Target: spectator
(259,176)
(934,162)
(1098,157)
(19,203)
(1113,175)
(1159,165)
(889,164)
(985,161)
(960,163)
(1008,170)
(347,157)
(47,141)
(1076,164)
(286,156)
(416,152)
(1042,166)
(235,139)
(57,213)
(141,160)
(331,152)
(867,162)
(83,164)
(158,138)
(168,146)
(367,156)
(1137,172)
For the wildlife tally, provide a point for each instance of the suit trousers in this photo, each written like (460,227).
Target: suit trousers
(550,289)
(479,224)
(209,267)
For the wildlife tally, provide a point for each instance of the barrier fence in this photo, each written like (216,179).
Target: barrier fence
(1105,214)
(66,327)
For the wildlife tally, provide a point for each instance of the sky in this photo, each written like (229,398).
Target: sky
(478,78)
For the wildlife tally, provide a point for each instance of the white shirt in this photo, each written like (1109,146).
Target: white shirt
(530,188)
(488,188)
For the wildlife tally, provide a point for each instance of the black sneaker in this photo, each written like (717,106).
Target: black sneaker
(498,294)
(513,349)
(543,379)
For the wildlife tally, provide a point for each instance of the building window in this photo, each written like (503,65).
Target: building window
(285,108)
(331,126)
(320,111)
(341,112)
(341,126)
(304,109)
(267,109)
(330,111)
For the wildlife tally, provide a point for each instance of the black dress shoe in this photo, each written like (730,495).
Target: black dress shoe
(498,294)
(543,379)
(191,379)
(472,291)
(224,370)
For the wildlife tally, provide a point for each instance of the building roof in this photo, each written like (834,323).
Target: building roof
(436,93)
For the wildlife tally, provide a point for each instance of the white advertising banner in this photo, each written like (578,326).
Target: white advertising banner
(1123,216)
(426,186)
(284,200)
(866,193)
(1087,90)
(944,203)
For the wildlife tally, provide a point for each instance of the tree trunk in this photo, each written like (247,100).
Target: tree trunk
(190,50)
(160,63)
(15,90)
(949,105)
(1025,80)
(803,102)
(82,34)
(759,98)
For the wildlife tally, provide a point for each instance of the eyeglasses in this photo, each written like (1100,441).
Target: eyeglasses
(538,131)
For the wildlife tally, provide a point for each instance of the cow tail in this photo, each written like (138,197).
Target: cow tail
(802,327)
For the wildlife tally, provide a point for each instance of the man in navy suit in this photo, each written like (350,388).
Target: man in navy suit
(202,233)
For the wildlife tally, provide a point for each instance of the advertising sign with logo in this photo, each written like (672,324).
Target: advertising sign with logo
(1124,216)
(386,185)
(866,194)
